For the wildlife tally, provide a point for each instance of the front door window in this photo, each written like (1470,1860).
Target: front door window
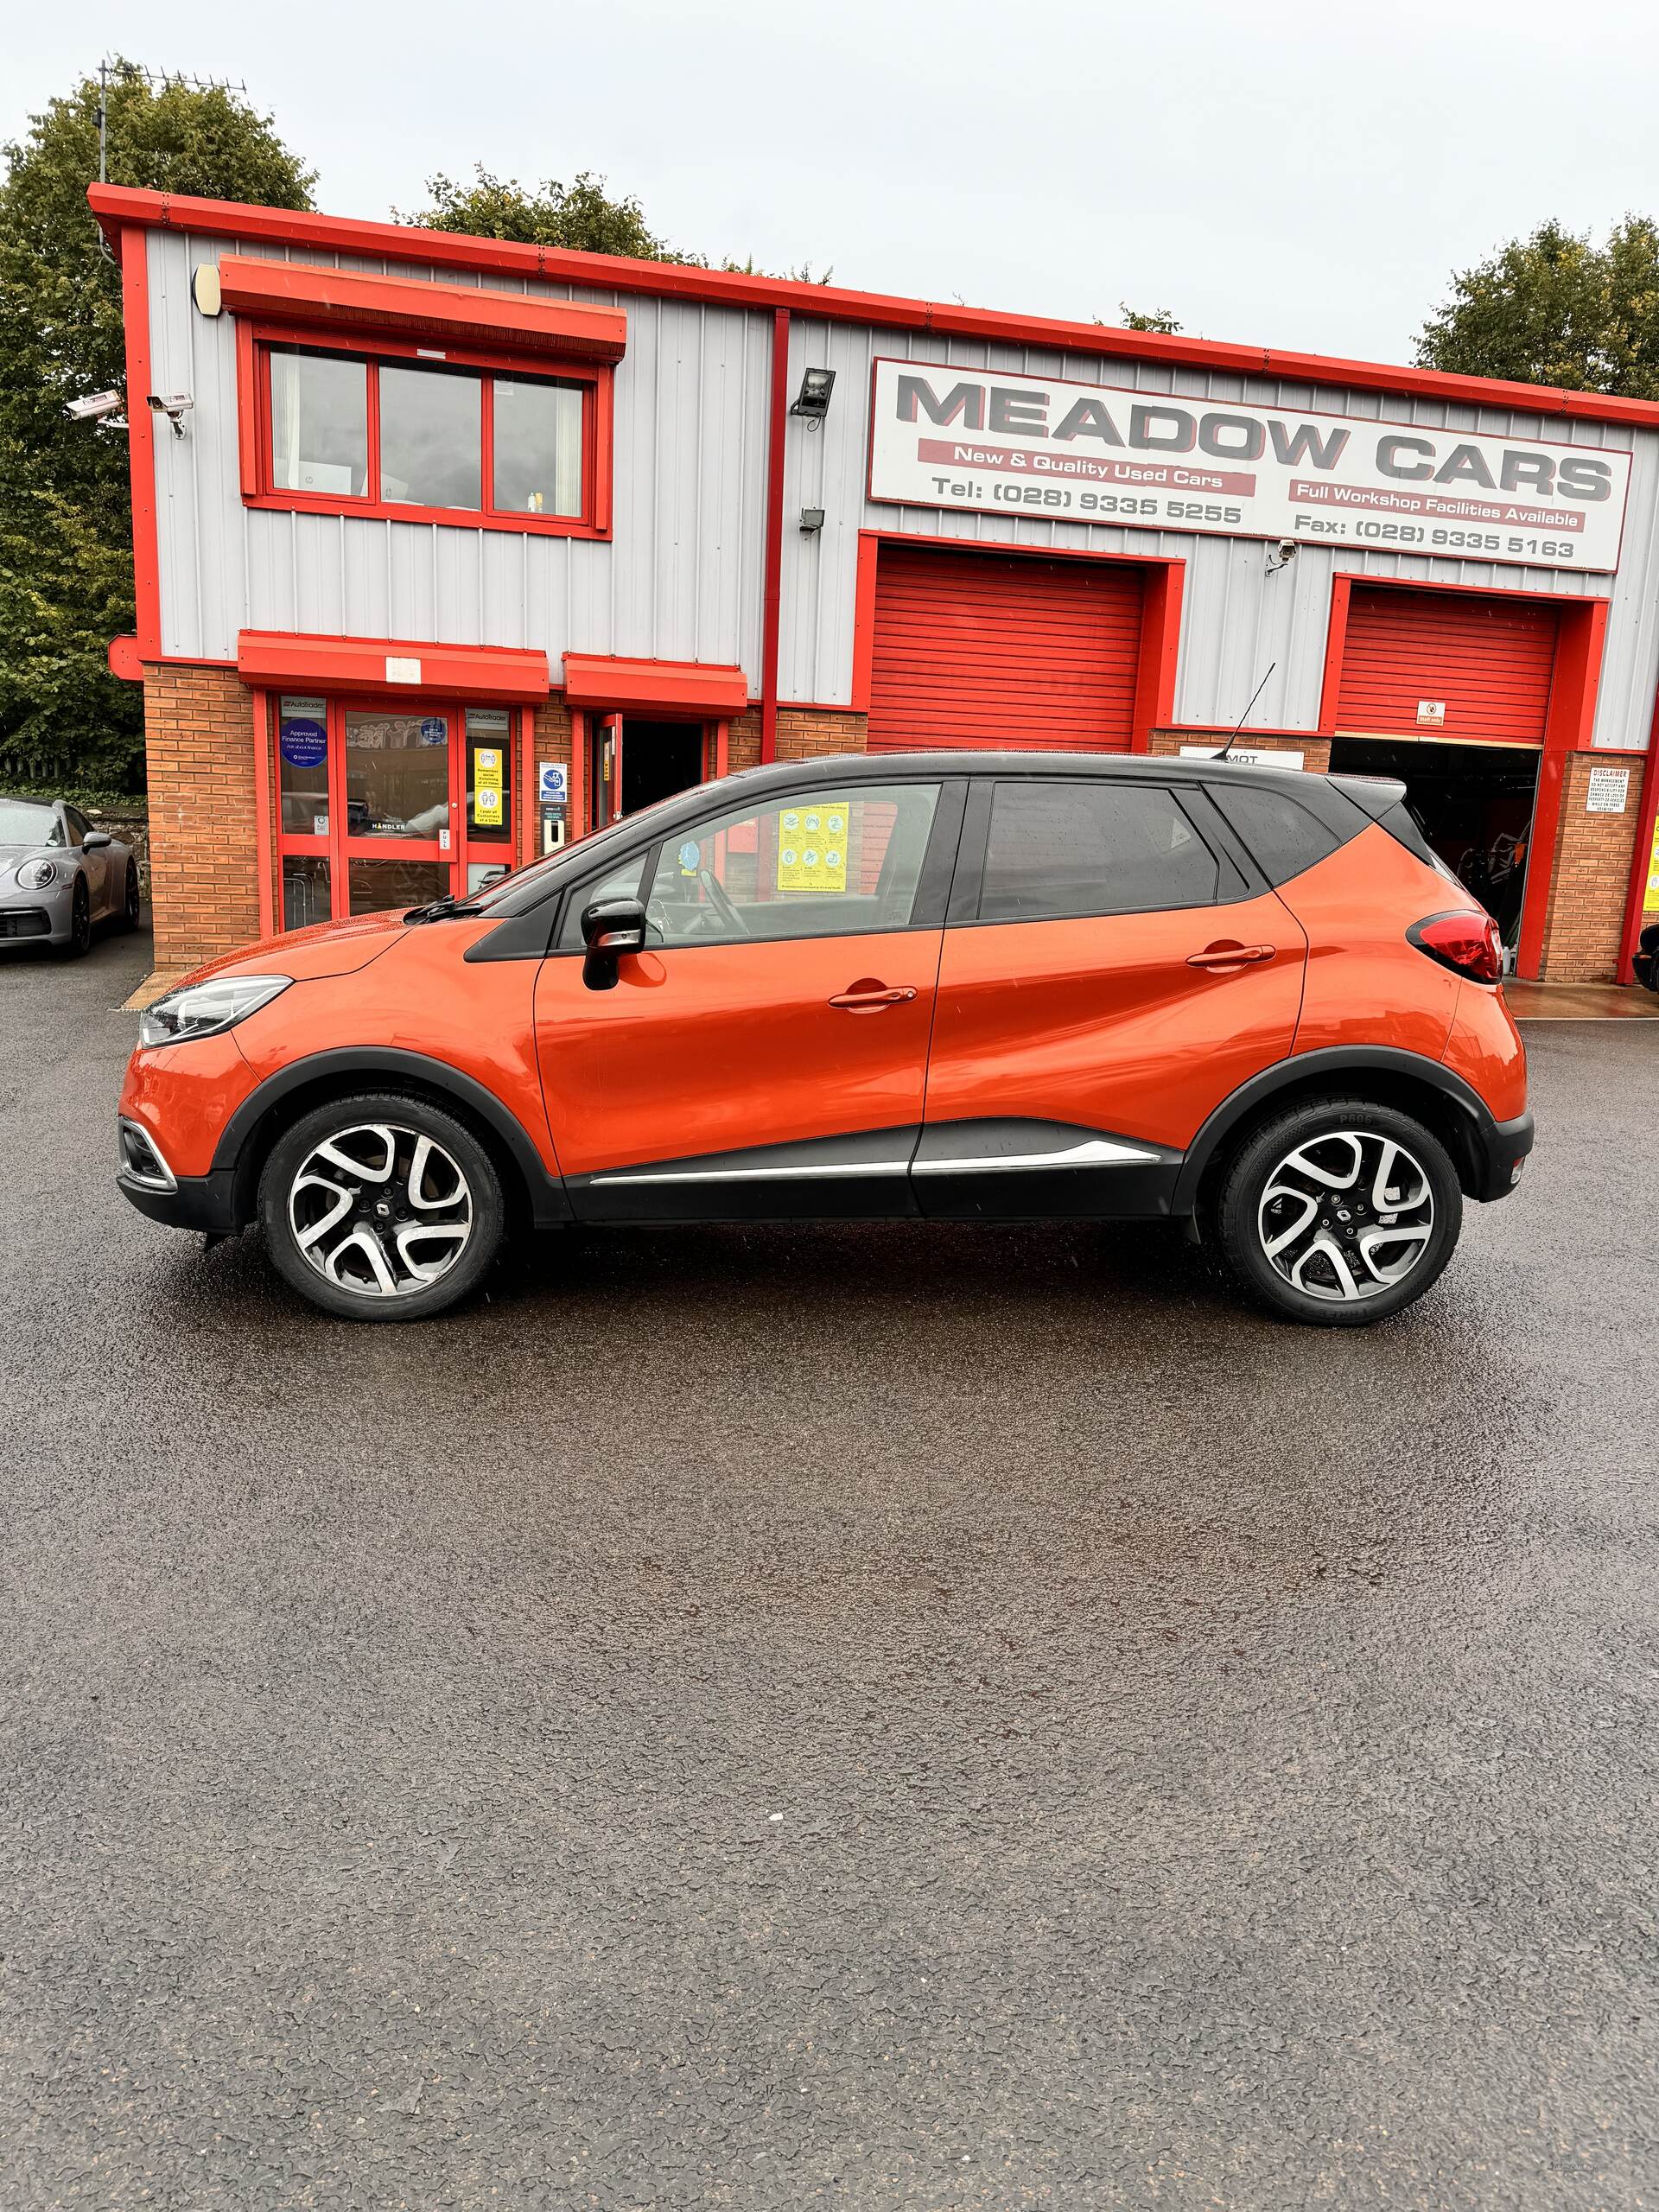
(388,804)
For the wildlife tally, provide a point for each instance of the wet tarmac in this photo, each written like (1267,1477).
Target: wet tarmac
(852,1717)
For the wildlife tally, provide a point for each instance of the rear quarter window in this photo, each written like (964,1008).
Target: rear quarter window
(1281,836)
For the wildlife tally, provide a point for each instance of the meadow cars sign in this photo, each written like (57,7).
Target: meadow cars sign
(948,438)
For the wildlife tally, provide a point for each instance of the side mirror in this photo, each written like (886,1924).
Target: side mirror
(95,841)
(610,928)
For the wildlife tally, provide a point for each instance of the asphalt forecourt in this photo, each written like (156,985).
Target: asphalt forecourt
(825,1716)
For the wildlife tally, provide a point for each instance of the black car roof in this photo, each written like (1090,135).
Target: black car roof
(1373,795)
(1343,802)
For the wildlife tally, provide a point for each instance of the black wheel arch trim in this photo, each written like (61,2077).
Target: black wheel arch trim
(1477,1164)
(370,1064)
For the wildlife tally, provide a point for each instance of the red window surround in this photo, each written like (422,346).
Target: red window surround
(254,341)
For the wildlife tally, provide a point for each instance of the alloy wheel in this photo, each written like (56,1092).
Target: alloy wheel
(1346,1216)
(380,1210)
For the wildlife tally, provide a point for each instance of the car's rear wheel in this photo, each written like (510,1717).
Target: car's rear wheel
(381,1208)
(130,898)
(1338,1212)
(80,921)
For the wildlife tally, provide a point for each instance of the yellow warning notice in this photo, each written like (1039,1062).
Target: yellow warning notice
(486,787)
(1650,902)
(812,847)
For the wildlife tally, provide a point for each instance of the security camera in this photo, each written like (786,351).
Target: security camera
(94,405)
(1281,555)
(174,404)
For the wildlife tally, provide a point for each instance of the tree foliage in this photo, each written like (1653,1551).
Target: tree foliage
(66,567)
(1159,320)
(580,217)
(1557,308)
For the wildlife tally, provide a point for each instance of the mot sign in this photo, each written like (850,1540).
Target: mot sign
(968,438)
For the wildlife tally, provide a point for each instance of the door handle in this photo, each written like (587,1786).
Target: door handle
(871,997)
(1230,955)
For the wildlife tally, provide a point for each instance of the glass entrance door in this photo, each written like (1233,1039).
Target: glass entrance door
(389,804)
(397,779)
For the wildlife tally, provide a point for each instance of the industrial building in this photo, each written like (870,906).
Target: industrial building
(450,549)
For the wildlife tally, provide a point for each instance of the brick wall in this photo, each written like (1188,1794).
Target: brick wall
(743,740)
(203,876)
(810,733)
(550,740)
(1315,750)
(1592,877)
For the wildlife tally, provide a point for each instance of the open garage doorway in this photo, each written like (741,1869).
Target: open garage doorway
(1473,803)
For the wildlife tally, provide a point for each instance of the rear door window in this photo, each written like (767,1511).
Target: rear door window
(1056,849)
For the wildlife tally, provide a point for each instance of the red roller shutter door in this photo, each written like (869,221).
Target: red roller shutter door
(978,649)
(1490,660)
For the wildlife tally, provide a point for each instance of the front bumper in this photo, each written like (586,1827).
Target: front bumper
(35,917)
(206,1203)
(1501,1150)
(143,1175)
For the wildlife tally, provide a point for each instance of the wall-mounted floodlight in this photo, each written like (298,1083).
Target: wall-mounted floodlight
(813,399)
(175,405)
(811,521)
(93,406)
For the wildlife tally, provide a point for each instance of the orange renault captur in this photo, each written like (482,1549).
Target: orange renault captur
(1004,986)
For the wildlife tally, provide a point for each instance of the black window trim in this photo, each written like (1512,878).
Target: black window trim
(927,908)
(1237,877)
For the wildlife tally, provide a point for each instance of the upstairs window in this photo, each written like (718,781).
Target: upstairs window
(397,434)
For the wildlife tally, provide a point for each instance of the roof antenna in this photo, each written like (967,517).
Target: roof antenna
(1245,716)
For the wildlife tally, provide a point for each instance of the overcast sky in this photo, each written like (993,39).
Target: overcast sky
(1302,176)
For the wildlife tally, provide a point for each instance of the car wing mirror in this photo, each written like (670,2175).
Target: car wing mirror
(95,841)
(611,929)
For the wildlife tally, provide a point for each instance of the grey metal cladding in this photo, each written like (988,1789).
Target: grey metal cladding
(1235,617)
(683,576)
(680,579)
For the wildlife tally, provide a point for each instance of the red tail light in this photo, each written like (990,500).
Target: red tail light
(1468,944)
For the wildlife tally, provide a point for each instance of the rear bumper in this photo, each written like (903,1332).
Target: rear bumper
(1501,1149)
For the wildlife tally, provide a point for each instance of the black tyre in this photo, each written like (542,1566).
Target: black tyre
(80,922)
(381,1208)
(1339,1213)
(130,898)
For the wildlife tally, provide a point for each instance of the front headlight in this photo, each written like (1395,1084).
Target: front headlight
(38,876)
(202,1009)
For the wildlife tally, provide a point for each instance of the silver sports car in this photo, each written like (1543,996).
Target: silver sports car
(58,875)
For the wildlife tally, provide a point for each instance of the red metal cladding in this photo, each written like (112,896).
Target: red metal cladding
(670,687)
(296,291)
(1487,662)
(977,649)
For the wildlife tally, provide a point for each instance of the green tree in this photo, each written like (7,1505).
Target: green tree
(1557,308)
(580,217)
(64,509)
(1159,320)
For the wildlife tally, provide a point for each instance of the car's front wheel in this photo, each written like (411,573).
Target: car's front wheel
(381,1208)
(130,898)
(78,943)
(1339,1213)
